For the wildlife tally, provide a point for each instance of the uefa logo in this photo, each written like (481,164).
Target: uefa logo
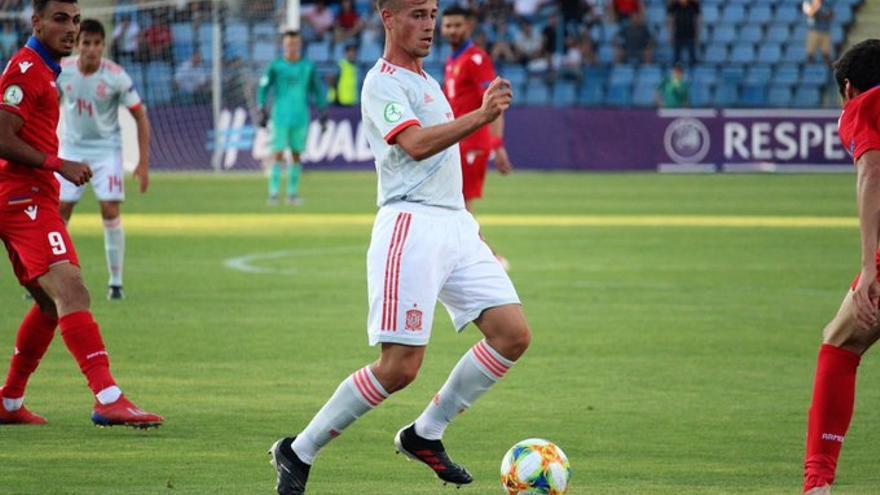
(686,140)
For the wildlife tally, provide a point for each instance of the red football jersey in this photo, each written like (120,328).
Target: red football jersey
(28,90)
(859,124)
(468,73)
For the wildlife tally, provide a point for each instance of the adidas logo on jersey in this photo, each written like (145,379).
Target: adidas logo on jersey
(25,66)
(31,212)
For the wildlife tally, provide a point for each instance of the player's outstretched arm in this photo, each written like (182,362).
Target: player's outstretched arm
(421,143)
(13,149)
(142,123)
(867,291)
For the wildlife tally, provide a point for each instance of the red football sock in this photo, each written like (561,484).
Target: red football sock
(83,340)
(834,393)
(33,338)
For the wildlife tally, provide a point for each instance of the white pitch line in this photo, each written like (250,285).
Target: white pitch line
(247,263)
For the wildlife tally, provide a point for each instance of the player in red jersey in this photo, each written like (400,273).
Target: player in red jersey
(39,247)
(468,73)
(855,328)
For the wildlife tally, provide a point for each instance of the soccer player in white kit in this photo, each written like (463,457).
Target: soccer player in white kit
(425,247)
(92,90)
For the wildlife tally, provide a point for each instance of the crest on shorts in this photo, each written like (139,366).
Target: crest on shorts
(414,319)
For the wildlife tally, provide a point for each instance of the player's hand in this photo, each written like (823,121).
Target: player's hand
(142,175)
(502,161)
(497,98)
(262,118)
(76,172)
(866,297)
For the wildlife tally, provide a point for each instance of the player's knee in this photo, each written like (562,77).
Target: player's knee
(72,294)
(518,341)
(850,337)
(109,211)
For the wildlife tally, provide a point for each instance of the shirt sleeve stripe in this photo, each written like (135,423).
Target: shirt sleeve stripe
(389,138)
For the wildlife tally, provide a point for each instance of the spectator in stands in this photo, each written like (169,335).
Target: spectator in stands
(635,43)
(819,15)
(622,10)
(673,91)
(156,39)
(571,63)
(578,15)
(495,11)
(342,87)
(192,80)
(319,19)
(528,43)
(236,84)
(348,23)
(684,29)
(126,39)
(550,35)
(502,46)
(527,10)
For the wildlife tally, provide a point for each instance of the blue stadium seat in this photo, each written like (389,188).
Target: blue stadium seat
(726,95)
(758,74)
(157,83)
(136,72)
(770,53)
(264,51)
(751,33)
(760,14)
(715,54)
(700,95)
(733,74)
(753,95)
(619,95)
(710,13)
(788,13)
(656,14)
(787,75)
(733,14)
(181,52)
(609,32)
(516,74)
(778,33)
(837,35)
(237,41)
(622,74)
(795,53)
(815,75)
(779,96)
(649,74)
(724,33)
(605,54)
(537,93)
(704,74)
(596,74)
(645,95)
(806,97)
(369,53)
(743,53)
(843,14)
(592,93)
(265,31)
(564,94)
(318,51)
(798,34)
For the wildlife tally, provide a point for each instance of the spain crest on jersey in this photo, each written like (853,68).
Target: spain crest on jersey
(413,320)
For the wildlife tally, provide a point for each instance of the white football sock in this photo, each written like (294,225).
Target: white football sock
(114,247)
(13,405)
(472,377)
(109,395)
(355,396)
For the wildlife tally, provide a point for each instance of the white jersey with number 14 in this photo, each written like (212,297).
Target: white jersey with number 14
(90,107)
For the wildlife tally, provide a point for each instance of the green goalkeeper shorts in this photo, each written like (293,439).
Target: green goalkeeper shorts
(292,138)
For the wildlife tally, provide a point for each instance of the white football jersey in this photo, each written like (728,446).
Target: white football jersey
(90,106)
(392,99)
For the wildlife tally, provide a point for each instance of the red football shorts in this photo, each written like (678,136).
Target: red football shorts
(474,161)
(35,237)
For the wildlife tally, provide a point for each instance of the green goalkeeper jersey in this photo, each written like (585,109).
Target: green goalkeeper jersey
(292,85)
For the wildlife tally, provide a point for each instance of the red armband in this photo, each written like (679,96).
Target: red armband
(495,142)
(52,162)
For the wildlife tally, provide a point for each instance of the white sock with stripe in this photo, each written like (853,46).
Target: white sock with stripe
(114,248)
(355,396)
(472,377)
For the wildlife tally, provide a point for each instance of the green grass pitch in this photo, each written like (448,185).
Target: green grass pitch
(666,359)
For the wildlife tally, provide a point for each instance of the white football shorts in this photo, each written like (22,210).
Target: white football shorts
(420,254)
(108,178)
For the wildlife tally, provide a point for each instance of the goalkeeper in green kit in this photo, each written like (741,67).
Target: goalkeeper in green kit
(293,82)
